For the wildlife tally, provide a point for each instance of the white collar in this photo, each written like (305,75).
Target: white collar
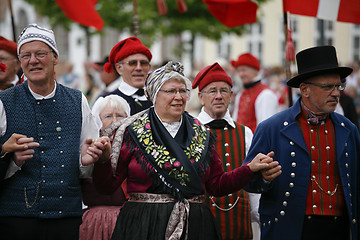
(15,81)
(40,97)
(172,127)
(205,118)
(127,89)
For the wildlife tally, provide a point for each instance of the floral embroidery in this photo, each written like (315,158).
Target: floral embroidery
(162,156)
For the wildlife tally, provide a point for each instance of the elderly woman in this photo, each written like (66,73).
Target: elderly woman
(100,217)
(169,161)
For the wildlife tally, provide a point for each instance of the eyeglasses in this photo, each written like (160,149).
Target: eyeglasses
(213,92)
(109,117)
(41,54)
(3,59)
(329,87)
(172,92)
(134,63)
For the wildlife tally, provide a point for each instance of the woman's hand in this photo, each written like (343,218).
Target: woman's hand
(20,145)
(269,168)
(94,150)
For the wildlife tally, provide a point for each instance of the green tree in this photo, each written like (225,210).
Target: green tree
(119,14)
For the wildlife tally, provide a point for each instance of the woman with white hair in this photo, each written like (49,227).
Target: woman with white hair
(100,217)
(169,160)
(110,109)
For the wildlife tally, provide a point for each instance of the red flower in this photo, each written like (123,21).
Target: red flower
(197,122)
(167,166)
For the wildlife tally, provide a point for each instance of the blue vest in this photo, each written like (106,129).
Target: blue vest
(47,186)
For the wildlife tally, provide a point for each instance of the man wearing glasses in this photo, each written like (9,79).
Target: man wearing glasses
(8,57)
(131,59)
(317,194)
(232,212)
(43,124)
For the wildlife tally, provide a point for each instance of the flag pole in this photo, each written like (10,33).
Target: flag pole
(135,19)
(12,20)
(287,62)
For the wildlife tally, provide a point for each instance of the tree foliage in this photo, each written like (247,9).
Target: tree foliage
(118,14)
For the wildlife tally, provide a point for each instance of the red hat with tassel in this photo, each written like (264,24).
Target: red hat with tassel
(246,59)
(124,48)
(211,73)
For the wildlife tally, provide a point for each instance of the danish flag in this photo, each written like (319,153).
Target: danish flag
(333,10)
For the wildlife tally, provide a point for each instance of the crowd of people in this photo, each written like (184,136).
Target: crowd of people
(124,159)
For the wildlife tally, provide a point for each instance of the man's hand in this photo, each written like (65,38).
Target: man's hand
(20,145)
(273,171)
(93,150)
(269,168)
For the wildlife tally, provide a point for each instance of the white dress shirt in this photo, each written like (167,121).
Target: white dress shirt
(266,105)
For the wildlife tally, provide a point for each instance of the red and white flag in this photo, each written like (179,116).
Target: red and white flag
(82,11)
(333,10)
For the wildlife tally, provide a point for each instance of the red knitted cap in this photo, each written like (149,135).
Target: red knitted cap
(124,48)
(211,73)
(247,59)
(8,46)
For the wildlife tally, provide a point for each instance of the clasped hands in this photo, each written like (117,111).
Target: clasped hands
(265,164)
(21,146)
(94,150)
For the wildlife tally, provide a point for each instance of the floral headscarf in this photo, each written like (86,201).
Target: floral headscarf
(158,77)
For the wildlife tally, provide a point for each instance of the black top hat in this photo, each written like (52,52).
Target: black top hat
(317,61)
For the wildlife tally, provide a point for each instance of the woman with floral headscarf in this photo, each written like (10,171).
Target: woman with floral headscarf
(169,161)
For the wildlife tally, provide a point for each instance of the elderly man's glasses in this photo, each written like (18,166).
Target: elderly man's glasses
(41,54)
(329,87)
(172,92)
(134,63)
(213,92)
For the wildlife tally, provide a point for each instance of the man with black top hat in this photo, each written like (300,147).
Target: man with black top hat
(233,212)
(131,59)
(317,194)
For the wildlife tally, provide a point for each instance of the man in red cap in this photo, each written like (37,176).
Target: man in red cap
(8,57)
(131,59)
(232,212)
(256,102)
